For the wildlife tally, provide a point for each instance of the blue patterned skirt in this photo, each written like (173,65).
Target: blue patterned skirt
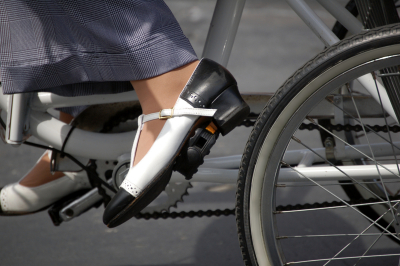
(84,47)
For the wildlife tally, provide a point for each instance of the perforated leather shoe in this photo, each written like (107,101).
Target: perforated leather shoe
(16,199)
(210,99)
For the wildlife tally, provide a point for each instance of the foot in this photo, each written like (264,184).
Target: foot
(154,95)
(210,95)
(39,189)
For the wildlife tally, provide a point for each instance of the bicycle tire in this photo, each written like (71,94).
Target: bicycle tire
(256,228)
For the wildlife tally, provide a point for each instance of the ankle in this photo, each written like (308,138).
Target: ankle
(40,174)
(162,92)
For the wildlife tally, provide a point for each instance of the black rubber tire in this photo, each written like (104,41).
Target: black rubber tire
(342,51)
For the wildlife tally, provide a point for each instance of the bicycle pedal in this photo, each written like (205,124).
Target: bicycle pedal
(54,210)
(192,155)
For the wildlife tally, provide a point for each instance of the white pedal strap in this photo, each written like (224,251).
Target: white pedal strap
(169,113)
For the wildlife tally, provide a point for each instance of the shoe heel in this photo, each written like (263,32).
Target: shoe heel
(231,110)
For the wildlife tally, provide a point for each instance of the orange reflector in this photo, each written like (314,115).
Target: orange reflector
(211,128)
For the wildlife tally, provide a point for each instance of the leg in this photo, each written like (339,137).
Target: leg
(40,174)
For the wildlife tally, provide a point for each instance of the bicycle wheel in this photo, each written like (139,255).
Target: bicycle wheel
(381,16)
(289,203)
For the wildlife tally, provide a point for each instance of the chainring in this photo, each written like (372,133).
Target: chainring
(175,192)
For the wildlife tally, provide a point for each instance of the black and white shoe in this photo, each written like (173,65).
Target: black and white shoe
(210,98)
(16,199)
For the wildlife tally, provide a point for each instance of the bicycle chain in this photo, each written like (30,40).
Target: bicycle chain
(249,122)
(356,128)
(184,214)
(348,128)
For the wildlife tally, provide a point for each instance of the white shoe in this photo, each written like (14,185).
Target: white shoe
(211,95)
(17,199)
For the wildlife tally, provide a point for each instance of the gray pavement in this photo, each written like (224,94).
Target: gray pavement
(271,44)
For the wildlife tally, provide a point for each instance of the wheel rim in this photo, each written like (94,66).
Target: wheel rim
(263,222)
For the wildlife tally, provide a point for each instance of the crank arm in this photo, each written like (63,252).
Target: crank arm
(83,204)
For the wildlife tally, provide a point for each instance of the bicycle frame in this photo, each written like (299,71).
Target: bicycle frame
(26,113)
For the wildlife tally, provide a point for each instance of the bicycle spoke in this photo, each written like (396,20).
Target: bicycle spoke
(330,235)
(372,153)
(335,207)
(331,184)
(345,142)
(376,240)
(388,75)
(337,168)
(340,199)
(369,128)
(387,126)
(343,258)
(365,230)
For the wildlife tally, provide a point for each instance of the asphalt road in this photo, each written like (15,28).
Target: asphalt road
(271,43)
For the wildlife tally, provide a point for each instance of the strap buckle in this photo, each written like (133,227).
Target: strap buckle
(167,116)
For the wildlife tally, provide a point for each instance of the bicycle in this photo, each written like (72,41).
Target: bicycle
(333,70)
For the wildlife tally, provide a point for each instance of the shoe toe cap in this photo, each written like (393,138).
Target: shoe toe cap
(114,214)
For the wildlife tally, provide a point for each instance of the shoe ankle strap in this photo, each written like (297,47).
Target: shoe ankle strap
(166,114)
(169,113)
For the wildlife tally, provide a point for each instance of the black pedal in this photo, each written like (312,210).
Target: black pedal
(192,155)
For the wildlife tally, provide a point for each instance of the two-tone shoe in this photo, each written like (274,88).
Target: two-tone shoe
(210,99)
(16,199)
